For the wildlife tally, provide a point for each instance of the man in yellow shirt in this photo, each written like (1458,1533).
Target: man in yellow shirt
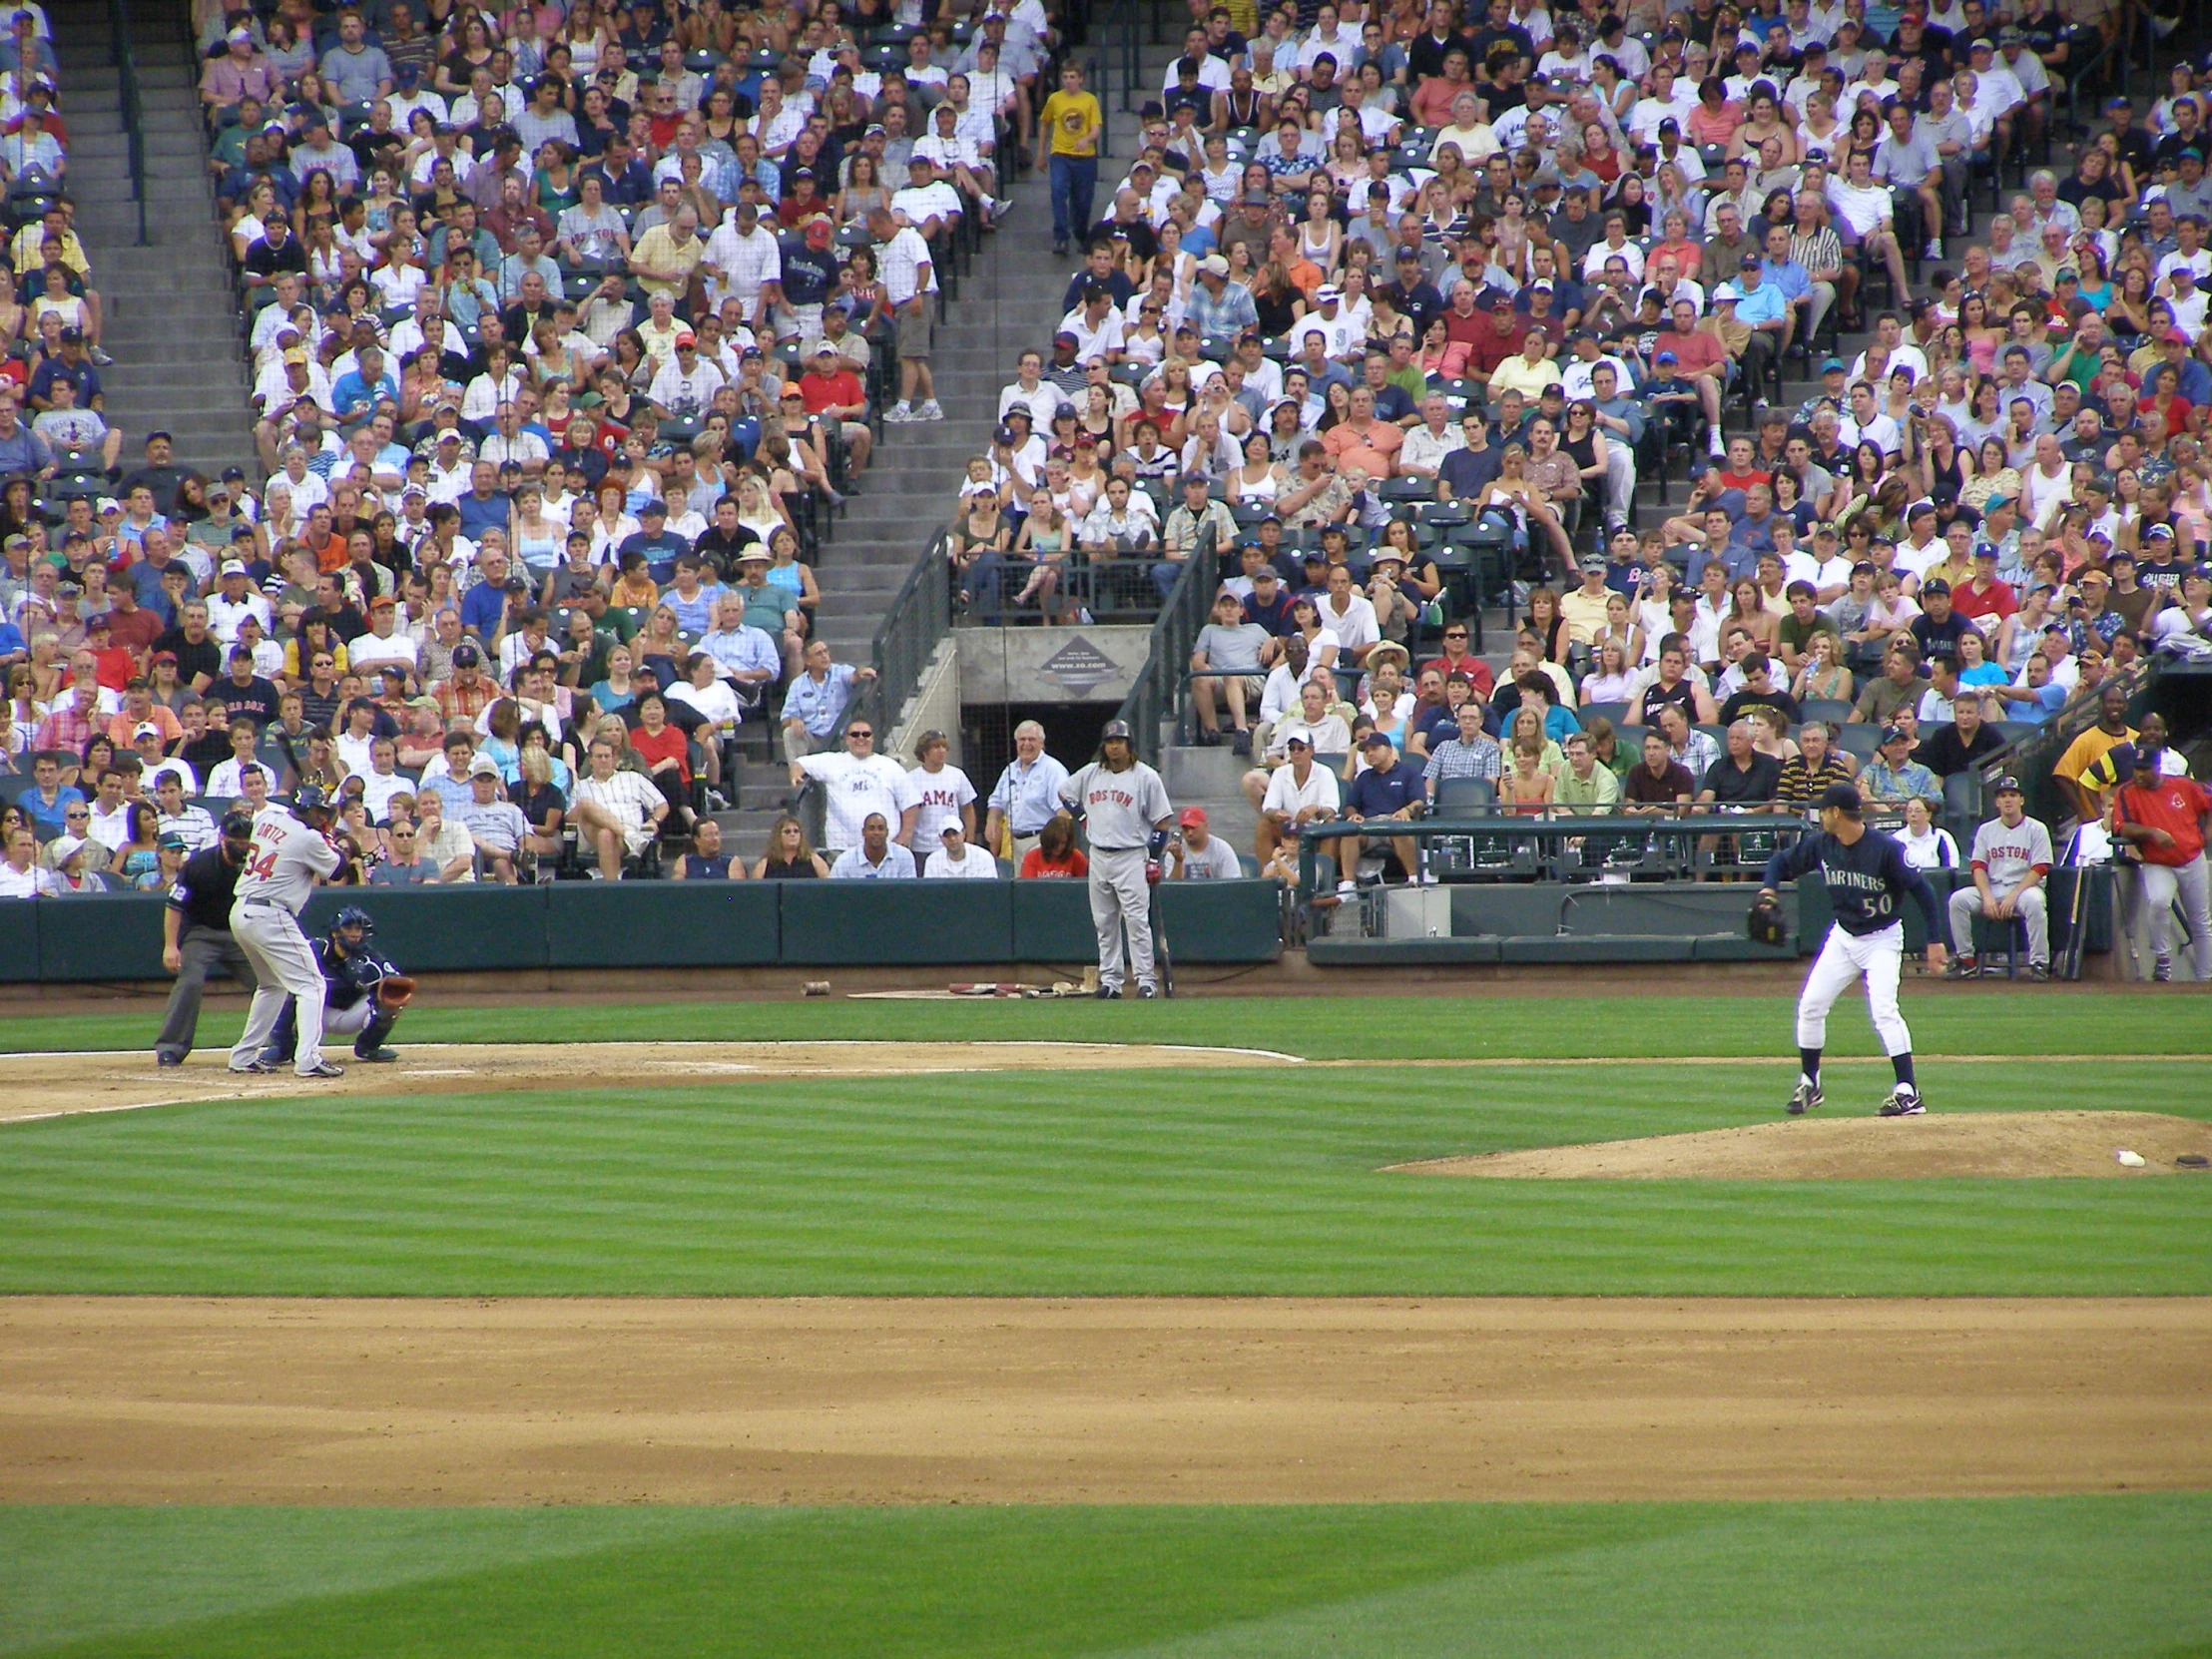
(2110,730)
(1068,134)
(1529,373)
(666,258)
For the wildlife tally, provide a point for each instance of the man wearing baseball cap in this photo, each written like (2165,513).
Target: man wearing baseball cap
(2012,857)
(1867,882)
(2165,819)
(1128,820)
(1198,854)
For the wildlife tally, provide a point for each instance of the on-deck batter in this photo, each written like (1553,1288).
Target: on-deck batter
(1126,814)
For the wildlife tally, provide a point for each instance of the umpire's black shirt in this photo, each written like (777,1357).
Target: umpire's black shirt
(204,889)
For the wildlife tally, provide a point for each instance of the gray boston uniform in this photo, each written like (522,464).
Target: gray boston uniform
(2007,853)
(1120,811)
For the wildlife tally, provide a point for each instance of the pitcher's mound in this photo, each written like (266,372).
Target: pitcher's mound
(2014,1144)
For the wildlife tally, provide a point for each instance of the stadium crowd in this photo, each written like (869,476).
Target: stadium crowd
(567,332)
(1386,284)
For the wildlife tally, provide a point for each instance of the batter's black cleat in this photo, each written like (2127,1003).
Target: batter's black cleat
(1145,994)
(1903,1103)
(1804,1098)
(164,1062)
(324,1068)
(1108,993)
(253,1068)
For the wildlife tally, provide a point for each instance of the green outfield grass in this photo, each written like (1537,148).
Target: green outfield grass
(1264,1182)
(2011,1579)
(1980,1019)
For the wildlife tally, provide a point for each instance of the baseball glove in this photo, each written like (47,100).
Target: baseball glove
(396,991)
(1766,925)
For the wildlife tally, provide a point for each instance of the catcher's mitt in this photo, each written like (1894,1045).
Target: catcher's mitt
(396,991)
(1766,923)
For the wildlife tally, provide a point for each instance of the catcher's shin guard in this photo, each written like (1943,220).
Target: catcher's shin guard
(284,1036)
(369,1045)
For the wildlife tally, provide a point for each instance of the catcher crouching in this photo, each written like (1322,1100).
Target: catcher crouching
(363,994)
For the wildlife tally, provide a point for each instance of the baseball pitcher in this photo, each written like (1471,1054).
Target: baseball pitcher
(1125,809)
(1868,883)
(284,861)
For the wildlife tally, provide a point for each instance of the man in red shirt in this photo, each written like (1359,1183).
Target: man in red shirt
(1983,599)
(1699,359)
(1458,659)
(833,391)
(1490,338)
(2163,818)
(1742,468)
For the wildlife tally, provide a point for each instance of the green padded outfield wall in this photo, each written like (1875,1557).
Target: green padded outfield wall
(574,924)
(672,924)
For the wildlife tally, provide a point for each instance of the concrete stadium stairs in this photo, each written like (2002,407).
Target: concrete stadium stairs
(172,320)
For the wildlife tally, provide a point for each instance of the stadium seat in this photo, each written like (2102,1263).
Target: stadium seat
(1464,795)
(1859,740)
(1963,803)
(1834,711)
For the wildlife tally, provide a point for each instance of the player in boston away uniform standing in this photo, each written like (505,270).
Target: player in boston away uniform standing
(1867,882)
(1126,813)
(283,862)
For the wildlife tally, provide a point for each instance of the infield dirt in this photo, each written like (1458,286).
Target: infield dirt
(1971,1144)
(64,1085)
(166,1400)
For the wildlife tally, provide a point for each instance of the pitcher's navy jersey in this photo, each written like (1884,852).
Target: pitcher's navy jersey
(1868,882)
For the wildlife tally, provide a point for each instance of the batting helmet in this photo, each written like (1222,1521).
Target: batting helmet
(307,797)
(1116,729)
(354,917)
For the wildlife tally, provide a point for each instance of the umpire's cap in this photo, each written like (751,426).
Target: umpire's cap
(1843,797)
(236,826)
(354,917)
(307,797)
(1117,728)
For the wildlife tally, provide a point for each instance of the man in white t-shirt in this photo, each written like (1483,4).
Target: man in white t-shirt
(956,861)
(859,781)
(1348,618)
(1299,792)
(943,797)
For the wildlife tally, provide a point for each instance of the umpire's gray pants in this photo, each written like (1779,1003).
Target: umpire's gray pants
(1966,904)
(1121,898)
(200,949)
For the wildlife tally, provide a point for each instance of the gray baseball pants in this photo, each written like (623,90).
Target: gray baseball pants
(1121,898)
(1966,904)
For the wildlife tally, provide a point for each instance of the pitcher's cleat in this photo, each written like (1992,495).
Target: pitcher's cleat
(1804,1098)
(1903,1103)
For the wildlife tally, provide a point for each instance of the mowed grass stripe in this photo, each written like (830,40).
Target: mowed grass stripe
(1542,1023)
(1227,1182)
(2116,1576)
